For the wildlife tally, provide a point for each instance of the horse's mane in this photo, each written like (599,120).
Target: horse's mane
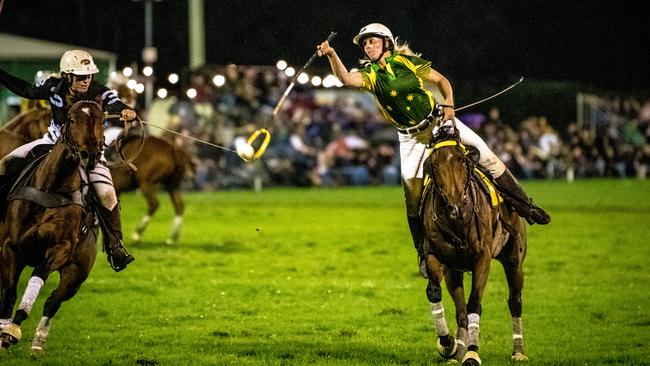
(446,133)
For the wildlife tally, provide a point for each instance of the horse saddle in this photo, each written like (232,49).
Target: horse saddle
(27,167)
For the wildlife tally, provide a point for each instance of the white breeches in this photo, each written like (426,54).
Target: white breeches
(413,150)
(100,177)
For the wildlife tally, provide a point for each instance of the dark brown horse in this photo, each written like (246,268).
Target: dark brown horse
(465,229)
(160,163)
(24,128)
(49,226)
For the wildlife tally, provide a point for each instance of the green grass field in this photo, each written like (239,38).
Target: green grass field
(329,277)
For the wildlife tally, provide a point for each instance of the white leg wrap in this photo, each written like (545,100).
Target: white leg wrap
(517,332)
(144,221)
(176,230)
(438,314)
(42,332)
(4,322)
(473,328)
(176,226)
(31,293)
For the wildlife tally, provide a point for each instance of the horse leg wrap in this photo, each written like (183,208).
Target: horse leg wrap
(143,223)
(517,336)
(142,226)
(33,288)
(176,229)
(42,331)
(438,314)
(4,323)
(473,330)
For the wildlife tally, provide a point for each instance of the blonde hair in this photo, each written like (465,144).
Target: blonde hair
(400,48)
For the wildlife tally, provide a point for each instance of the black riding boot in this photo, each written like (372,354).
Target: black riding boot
(111,226)
(417,233)
(518,199)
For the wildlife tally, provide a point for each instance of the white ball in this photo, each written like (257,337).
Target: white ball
(245,151)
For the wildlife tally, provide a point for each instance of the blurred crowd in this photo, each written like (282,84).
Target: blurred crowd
(336,136)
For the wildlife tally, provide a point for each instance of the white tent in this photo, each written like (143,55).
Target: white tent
(24,56)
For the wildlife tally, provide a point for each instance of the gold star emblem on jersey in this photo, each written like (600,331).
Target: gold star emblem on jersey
(410,97)
(393,93)
(408,108)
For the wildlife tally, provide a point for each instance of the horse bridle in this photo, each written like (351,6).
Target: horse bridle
(466,162)
(469,166)
(74,151)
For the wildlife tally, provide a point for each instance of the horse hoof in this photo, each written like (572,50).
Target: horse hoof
(170,242)
(471,359)
(135,238)
(519,357)
(11,334)
(448,351)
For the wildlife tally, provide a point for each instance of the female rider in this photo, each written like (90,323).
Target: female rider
(395,75)
(75,82)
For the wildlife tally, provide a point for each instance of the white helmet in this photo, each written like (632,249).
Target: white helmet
(78,62)
(373,29)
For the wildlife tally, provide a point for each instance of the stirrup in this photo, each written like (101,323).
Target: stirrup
(125,258)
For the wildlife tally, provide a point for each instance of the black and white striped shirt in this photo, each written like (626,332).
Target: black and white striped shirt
(55,91)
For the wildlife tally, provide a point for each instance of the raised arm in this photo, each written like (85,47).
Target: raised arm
(22,88)
(352,79)
(447,93)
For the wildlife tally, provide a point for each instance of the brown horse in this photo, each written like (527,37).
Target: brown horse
(24,128)
(159,163)
(49,226)
(465,229)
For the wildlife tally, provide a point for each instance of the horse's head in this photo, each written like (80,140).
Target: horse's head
(449,170)
(83,133)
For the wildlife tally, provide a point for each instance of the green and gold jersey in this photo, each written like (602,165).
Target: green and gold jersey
(399,90)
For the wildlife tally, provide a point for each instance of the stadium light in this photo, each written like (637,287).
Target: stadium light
(290,71)
(127,71)
(147,71)
(139,88)
(191,93)
(303,78)
(281,65)
(131,84)
(316,81)
(329,81)
(219,80)
(162,93)
(173,78)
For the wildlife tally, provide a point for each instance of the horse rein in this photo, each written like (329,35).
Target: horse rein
(126,162)
(462,244)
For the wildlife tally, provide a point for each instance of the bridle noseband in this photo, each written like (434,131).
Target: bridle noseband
(69,145)
(466,162)
(459,241)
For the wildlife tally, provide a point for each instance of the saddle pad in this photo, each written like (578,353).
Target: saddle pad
(488,187)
